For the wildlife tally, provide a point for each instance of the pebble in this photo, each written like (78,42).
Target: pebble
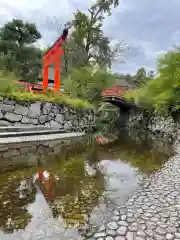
(169,236)
(111,233)
(115,218)
(123,223)
(153,211)
(177,235)
(109,238)
(98,235)
(119,238)
(122,231)
(102,228)
(112,225)
(123,217)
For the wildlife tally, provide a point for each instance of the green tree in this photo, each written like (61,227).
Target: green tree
(151,74)
(17,50)
(87,83)
(140,77)
(163,92)
(87,43)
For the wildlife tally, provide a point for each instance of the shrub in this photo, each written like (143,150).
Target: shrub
(11,90)
(87,83)
(163,92)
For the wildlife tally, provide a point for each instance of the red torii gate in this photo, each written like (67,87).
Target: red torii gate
(53,56)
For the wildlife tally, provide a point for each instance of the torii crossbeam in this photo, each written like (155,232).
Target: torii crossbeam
(53,56)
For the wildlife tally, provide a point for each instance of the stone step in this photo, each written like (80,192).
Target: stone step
(39,138)
(5,129)
(31,133)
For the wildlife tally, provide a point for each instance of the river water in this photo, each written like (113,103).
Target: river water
(50,190)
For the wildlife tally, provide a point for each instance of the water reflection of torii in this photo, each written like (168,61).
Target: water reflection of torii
(45,181)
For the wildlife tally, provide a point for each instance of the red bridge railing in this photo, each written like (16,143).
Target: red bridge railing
(115,91)
(29,87)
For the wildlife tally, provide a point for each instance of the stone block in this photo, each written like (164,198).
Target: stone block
(47,108)
(54,124)
(59,118)
(6,108)
(12,117)
(4,123)
(33,121)
(44,118)
(22,110)
(9,102)
(34,110)
(68,125)
(11,153)
(1,115)
(32,159)
(25,120)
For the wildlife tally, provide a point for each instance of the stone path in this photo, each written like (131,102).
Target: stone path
(152,213)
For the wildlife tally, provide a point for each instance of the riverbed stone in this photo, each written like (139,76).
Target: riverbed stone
(109,238)
(122,231)
(100,234)
(111,233)
(102,228)
(112,225)
(169,236)
(119,238)
(154,209)
(115,218)
(177,235)
(123,223)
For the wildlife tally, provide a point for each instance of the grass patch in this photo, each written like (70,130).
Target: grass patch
(59,99)
(9,89)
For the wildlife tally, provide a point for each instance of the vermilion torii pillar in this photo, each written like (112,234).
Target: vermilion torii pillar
(53,56)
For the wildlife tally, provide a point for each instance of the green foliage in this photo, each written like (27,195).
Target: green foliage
(19,32)
(87,83)
(7,80)
(141,78)
(162,93)
(17,51)
(11,90)
(61,99)
(87,43)
(107,116)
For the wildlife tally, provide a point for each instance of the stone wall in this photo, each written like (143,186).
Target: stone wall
(20,156)
(53,115)
(164,126)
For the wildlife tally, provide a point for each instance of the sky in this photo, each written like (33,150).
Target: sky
(148,27)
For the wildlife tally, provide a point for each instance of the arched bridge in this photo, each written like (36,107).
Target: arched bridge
(115,96)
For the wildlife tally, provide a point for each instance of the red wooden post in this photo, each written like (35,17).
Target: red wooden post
(56,74)
(45,76)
